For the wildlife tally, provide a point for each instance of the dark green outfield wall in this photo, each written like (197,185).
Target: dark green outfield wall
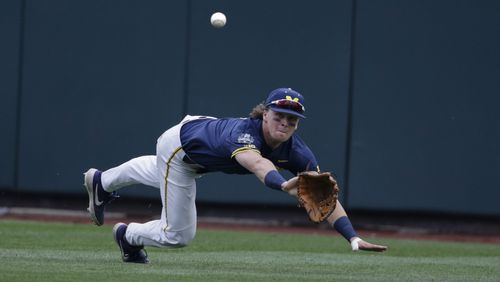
(401,96)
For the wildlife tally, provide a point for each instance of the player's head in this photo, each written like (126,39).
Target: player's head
(287,101)
(281,113)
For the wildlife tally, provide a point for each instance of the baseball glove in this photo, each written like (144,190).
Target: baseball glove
(318,194)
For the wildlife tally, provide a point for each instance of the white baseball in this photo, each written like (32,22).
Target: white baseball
(218,20)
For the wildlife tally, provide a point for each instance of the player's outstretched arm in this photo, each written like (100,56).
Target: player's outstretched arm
(255,163)
(290,186)
(261,167)
(266,172)
(360,244)
(340,222)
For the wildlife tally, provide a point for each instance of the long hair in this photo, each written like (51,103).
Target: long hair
(258,111)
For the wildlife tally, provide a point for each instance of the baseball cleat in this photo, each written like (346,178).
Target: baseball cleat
(98,198)
(135,254)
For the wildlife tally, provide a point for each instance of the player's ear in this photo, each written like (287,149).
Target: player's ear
(265,114)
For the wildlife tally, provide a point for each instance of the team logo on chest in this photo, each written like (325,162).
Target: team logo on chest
(245,138)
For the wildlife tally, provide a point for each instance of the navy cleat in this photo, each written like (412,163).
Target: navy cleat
(135,254)
(98,198)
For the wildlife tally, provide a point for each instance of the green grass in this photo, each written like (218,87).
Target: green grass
(35,251)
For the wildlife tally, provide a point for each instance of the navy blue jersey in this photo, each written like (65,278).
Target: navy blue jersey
(213,143)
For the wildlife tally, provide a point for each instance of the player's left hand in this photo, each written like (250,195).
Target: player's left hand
(360,244)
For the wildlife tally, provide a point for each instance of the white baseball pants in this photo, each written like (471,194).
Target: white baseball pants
(176,180)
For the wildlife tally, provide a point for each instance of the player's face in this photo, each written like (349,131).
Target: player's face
(278,127)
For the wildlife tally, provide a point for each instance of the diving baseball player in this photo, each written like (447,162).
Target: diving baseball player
(199,145)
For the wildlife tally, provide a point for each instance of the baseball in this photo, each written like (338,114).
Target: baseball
(218,20)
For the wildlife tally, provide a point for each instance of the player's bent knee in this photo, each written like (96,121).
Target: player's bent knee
(179,239)
(186,238)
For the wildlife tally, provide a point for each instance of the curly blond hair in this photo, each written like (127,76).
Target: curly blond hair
(258,111)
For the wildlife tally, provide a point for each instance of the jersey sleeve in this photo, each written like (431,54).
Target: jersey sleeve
(243,141)
(244,148)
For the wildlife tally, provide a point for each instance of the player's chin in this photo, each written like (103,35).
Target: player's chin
(281,136)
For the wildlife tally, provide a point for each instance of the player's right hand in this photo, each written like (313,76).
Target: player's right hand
(291,186)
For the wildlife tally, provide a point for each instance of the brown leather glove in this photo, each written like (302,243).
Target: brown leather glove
(318,194)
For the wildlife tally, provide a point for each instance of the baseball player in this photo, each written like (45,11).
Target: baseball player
(260,144)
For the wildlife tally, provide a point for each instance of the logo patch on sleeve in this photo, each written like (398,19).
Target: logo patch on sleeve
(245,138)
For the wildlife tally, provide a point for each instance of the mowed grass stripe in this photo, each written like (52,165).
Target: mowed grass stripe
(262,265)
(31,251)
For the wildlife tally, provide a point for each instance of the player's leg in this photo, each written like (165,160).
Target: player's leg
(101,185)
(141,170)
(177,225)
